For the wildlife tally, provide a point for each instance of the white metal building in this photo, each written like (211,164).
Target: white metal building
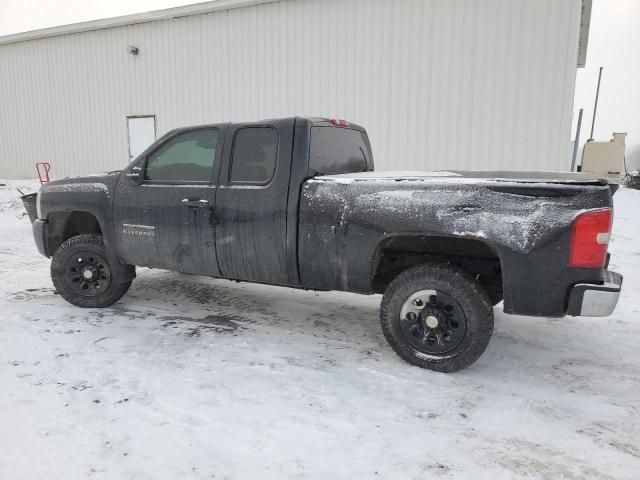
(440,84)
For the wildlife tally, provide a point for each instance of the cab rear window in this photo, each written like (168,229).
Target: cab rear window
(339,150)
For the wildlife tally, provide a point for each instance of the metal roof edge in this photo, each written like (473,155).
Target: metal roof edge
(585,26)
(131,19)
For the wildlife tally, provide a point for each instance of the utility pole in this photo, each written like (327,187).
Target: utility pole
(595,106)
(576,141)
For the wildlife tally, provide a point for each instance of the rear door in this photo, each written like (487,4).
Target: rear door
(165,218)
(251,202)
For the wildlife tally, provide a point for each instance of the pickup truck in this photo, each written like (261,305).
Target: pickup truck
(296,202)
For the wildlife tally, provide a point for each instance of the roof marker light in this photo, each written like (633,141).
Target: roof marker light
(338,122)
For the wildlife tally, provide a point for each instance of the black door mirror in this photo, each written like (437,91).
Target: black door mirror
(135,174)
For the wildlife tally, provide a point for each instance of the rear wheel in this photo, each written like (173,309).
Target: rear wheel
(437,317)
(82,275)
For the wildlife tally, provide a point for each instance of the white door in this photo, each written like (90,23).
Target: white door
(142,133)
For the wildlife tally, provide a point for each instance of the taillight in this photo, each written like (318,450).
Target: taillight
(338,122)
(590,239)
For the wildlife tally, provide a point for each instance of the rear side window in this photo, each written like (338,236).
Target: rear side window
(255,150)
(339,150)
(188,157)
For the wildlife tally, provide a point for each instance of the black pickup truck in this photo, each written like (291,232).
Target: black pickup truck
(296,202)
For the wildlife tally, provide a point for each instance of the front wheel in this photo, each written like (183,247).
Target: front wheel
(436,317)
(82,275)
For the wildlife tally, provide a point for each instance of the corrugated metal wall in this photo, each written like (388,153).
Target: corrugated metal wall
(440,84)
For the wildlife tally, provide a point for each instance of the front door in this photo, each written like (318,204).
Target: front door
(251,202)
(142,133)
(164,218)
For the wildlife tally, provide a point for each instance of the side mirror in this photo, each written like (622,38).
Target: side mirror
(135,174)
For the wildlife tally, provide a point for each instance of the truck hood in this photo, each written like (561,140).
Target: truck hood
(454,176)
(103,183)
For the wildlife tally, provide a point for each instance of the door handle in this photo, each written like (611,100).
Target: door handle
(199,203)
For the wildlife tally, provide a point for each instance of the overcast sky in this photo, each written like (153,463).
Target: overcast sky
(614,43)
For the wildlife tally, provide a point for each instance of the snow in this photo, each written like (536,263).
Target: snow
(466,177)
(80,187)
(192,378)
(347,178)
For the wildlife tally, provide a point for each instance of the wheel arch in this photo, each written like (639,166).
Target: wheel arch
(398,252)
(65,224)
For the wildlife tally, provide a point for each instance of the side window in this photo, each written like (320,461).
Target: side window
(255,150)
(339,150)
(189,157)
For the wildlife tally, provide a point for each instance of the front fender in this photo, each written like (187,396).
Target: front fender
(92,195)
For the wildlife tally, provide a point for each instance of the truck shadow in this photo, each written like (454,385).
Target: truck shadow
(194,306)
(226,307)
(197,305)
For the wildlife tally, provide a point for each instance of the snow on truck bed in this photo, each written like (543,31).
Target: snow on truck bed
(477,176)
(190,377)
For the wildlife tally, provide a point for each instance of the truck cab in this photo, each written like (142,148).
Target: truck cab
(222,199)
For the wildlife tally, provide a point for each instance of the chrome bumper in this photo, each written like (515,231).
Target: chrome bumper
(590,300)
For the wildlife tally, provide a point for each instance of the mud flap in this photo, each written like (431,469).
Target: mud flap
(120,272)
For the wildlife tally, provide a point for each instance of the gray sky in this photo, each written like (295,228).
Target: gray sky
(614,43)
(22,15)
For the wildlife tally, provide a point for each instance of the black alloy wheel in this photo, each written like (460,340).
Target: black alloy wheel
(433,322)
(88,273)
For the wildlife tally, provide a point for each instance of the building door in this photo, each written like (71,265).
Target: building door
(142,133)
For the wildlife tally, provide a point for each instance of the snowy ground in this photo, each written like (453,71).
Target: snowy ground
(189,377)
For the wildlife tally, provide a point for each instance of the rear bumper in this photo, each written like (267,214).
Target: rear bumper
(590,300)
(39,228)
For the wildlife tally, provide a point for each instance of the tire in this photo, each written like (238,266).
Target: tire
(71,261)
(436,317)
